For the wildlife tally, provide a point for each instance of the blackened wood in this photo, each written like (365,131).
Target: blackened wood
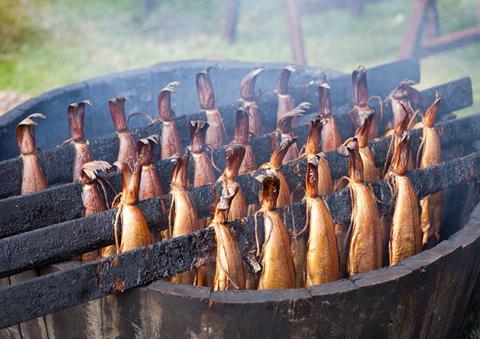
(81,321)
(283,310)
(36,327)
(12,332)
(71,287)
(50,206)
(62,203)
(62,241)
(53,292)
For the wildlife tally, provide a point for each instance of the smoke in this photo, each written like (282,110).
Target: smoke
(83,39)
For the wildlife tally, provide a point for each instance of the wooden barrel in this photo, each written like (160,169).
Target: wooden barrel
(424,296)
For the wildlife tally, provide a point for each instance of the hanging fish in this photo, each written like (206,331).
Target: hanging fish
(365,243)
(285,132)
(312,147)
(400,129)
(93,199)
(229,273)
(183,217)
(370,171)
(135,231)
(275,164)
(431,155)
(204,173)
(324,182)
(234,155)
(75,115)
(330,138)
(285,100)
(127,151)
(150,185)
(242,136)
(405,100)
(361,107)
(149,181)
(322,259)
(278,270)
(215,137)
(171,143)
(406,232)
(248,97)
(33,179)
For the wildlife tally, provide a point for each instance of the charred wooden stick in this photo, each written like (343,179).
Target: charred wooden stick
(140,267)
(39,205)
(96,231)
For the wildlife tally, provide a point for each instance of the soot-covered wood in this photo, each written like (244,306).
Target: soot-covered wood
(63,203)
(144,265)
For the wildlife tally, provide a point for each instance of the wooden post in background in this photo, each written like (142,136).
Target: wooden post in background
(295,30)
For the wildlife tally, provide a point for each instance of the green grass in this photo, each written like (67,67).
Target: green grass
(77,39)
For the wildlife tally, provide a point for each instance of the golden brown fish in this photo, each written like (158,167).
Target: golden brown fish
(229,274)
(183,217)
(431,155)
(242,136)
(150,185)
(406,233)
(171,143)
(203,168)
(135,231)
(248,97)
(92,198)
(365,244)
(312,147)
(285,131)
(278,270)
(370,171)
(234,155)
(33,179)
(215,136)
(361,108)
(330,138)
(322,260)
(75,113)
(275,164)
(404,100)
(127,151)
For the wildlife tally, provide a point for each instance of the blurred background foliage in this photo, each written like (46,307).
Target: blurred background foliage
(48,43)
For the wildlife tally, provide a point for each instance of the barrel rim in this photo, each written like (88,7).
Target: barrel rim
(467,236)
(168,66)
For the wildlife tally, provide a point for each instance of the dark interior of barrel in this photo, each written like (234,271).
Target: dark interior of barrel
(161,305)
